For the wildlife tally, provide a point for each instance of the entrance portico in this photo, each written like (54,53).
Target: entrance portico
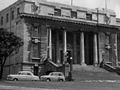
(83,50)
(82,41)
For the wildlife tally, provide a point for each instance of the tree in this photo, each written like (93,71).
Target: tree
(9,45)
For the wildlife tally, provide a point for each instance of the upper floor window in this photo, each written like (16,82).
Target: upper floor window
(89,17)
(57,12)
(12,15)
(73,14)
(66,13)
(35,50)
(2,20)
(35,32)
(18,11)
(7,17)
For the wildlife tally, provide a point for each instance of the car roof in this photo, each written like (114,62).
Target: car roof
(24,71)
(57,72)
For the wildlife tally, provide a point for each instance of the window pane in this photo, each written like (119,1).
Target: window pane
(28,73)
(18,11)
(35,32)
(35,51)
(2,20)
(73,14)
(7,17)
(89,17)
(12,15)
(57,12)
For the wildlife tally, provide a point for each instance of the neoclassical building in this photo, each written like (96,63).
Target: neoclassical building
(60,32)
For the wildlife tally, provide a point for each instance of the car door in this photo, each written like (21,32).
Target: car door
(22,76)
(29,76)
(54,76)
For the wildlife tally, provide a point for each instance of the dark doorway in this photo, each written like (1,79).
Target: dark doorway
(89,48)
(35,70)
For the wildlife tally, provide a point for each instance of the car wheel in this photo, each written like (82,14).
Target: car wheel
(48,79)
(60,79)
(15,79)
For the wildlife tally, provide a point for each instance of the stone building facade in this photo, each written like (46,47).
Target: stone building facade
(60,32)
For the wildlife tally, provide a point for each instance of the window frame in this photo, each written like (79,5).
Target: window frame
(18,11)
(12,15)
(7,17)
(89,17)
(73,14)
(57,12)
(1,20)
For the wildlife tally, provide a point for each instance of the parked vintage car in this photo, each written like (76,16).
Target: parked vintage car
(23,75)
(53,76)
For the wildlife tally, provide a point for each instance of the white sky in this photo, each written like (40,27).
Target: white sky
(111,4)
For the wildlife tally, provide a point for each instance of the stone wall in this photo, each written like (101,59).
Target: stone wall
(108,48)
(44,43)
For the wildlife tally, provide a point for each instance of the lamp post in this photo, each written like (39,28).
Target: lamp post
(70,73)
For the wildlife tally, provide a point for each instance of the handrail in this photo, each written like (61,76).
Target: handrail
(109,67)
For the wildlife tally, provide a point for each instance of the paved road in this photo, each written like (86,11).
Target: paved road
(74,85)
(4,87)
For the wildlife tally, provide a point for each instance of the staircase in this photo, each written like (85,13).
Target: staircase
(50,66)
(93,73)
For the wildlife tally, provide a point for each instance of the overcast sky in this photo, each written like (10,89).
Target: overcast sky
(111,4)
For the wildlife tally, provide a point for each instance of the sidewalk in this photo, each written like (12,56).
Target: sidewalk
(4,87)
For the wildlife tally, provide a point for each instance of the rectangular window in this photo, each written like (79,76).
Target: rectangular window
(73,14)
(35,50)
(35,32)
(81,15)
(2,20)
(89,17)
(12,15)
(18,11)
(57,12)
(7,17)
(66,13)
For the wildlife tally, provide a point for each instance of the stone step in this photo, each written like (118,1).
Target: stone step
(93,73)
(88,68)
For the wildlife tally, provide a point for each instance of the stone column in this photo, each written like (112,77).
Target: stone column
(50,43)
(57,47)
(116,50)
(64,46)
(74,49)
(82,51)
(95,50)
